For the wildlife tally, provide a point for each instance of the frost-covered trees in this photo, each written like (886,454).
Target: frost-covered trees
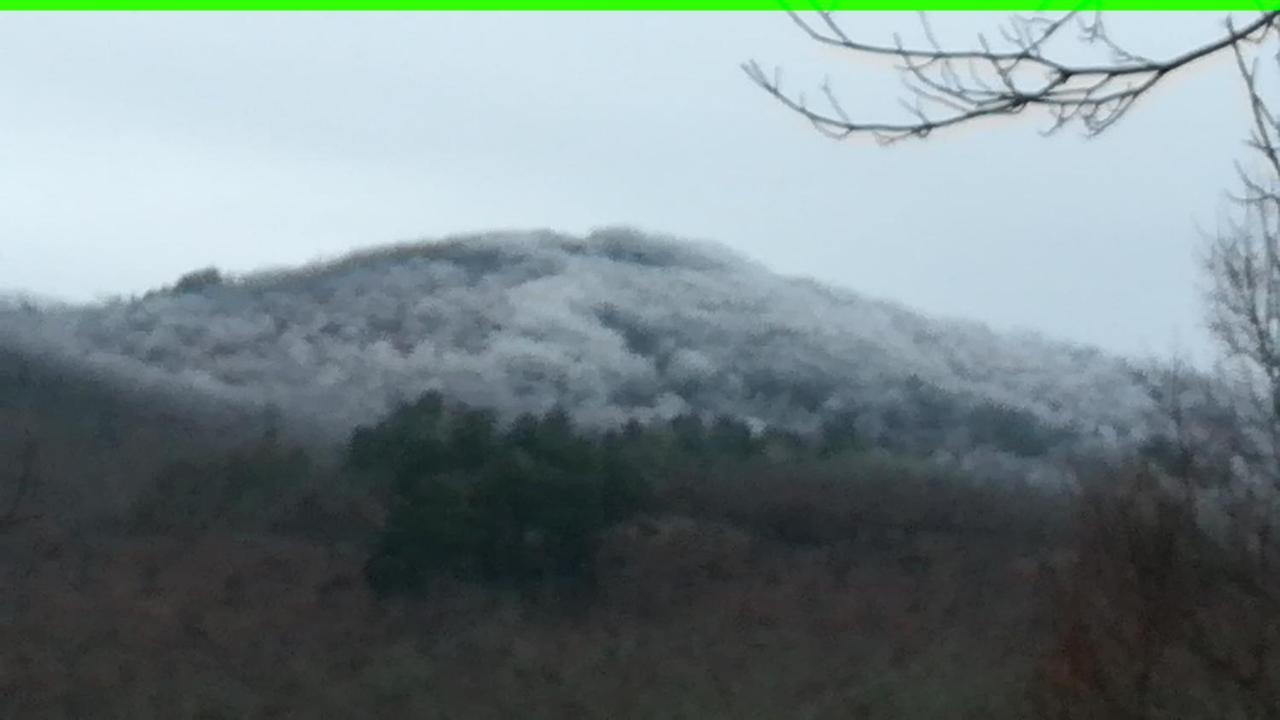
(614,326)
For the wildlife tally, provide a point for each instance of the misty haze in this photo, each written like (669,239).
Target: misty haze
(640,365)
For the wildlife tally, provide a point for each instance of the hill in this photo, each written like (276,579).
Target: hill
(612,326)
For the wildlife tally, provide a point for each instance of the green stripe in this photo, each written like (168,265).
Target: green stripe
(616,5)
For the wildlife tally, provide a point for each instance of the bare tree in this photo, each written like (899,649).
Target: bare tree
(1243,264)
(1024,69)
(1236,631)
(1208,615)
(1120,606)
(1172,605)
(1172,599)
(12,513)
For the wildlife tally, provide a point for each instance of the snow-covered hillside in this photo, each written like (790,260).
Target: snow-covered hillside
(615,325)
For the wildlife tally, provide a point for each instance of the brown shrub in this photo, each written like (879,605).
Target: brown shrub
(699,620)
(1157,611)
(870,498)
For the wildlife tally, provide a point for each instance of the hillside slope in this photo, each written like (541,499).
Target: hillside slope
(615,325)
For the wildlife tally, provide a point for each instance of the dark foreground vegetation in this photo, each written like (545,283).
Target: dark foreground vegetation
(447,565)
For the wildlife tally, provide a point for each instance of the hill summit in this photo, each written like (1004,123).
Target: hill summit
(613,326)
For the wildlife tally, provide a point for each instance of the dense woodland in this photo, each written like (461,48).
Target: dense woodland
(527,474)
(175,559)
(442,562)
(932,540)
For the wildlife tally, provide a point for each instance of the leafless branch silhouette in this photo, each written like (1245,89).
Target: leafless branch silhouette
(951,87)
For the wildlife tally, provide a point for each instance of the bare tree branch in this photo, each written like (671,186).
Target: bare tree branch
(955,87)
(23,486)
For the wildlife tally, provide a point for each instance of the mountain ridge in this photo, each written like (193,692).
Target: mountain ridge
(614,325)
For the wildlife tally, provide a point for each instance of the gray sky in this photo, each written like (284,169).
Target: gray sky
(135,147)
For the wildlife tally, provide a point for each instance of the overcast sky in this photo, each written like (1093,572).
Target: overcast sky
(136,147)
